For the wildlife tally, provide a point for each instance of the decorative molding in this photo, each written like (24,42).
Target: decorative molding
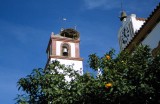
(53,47)
(67,58)
(77,51)
(64,39)
(140,19)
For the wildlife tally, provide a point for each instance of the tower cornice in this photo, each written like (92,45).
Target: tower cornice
(64,39)
(67,58)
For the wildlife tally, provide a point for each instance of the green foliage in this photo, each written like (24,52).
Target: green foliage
(46,86)
(134,79)
(94,61)
(134,76)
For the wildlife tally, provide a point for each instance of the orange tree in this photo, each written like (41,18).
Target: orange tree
(126,79)
(129,78)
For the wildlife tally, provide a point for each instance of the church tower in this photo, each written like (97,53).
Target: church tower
(139,31)
(64,47)
(129,27)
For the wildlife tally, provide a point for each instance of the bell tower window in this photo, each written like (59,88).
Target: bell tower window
(65,50)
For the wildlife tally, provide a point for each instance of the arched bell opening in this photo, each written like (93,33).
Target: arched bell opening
(65,50)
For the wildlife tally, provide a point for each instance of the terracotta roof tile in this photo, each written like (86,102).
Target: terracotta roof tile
(140,19)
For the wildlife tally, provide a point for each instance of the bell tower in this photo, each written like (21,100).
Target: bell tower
(64,47)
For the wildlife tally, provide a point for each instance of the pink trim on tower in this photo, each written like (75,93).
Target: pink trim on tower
(65,39)
(67,58)
(140,19)
(77,53)
(53,47)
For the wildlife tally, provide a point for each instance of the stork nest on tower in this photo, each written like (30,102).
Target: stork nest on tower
(70,33)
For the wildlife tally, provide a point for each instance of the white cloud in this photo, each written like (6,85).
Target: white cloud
(103,4)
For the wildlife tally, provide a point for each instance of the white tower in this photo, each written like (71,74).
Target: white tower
(64,47)
(130,25)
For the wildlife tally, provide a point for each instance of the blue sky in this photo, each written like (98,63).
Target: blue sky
(26,25)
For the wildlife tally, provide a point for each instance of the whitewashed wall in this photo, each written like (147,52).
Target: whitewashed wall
(77,65)
(136,23)
(153,37)
(58,48)
(72,49)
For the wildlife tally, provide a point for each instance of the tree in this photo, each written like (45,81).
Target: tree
(134,77)
(43,86)
(126,78)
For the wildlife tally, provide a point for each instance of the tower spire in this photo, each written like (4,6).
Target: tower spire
(123,13)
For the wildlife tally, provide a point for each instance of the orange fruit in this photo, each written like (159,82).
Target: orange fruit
(108,57)
(108,85)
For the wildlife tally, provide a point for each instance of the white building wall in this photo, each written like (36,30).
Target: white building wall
(153,37)
(77,65)
(136,23)
(72,49)
(58,48)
